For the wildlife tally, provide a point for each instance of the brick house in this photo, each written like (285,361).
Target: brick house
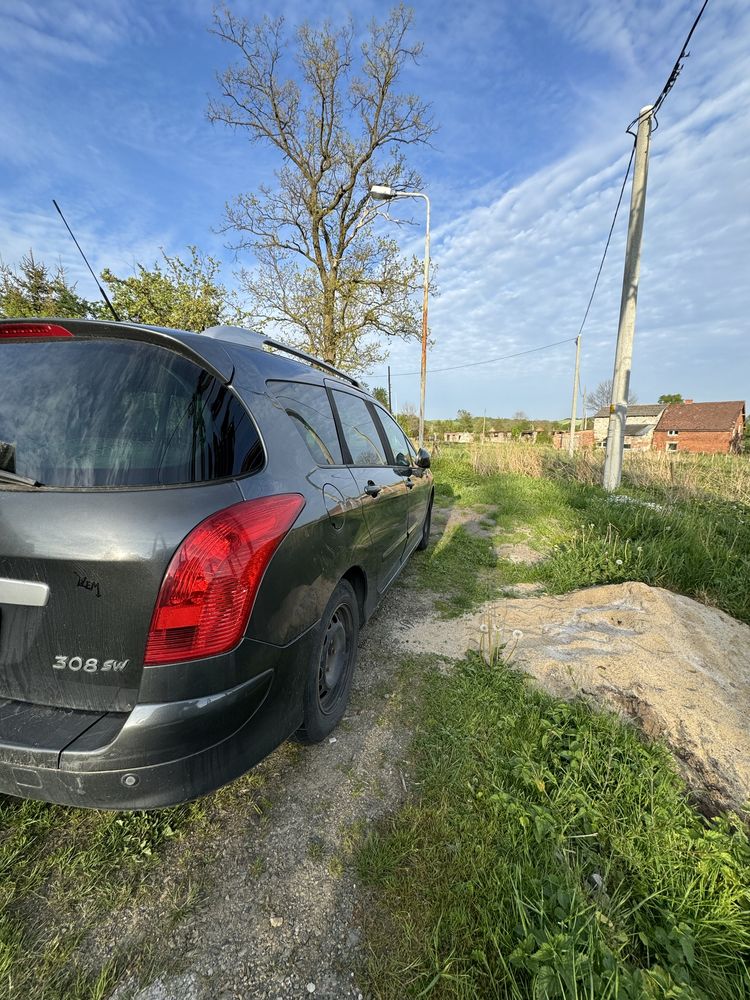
(640,424)
(708,428)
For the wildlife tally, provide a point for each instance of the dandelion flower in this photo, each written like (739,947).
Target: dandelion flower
(517,633)
(619,562)
(484,627)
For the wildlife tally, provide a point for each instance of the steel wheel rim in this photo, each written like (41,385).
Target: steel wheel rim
(335,658)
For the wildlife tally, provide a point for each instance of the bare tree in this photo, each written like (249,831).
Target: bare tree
(321,270)
(602,396)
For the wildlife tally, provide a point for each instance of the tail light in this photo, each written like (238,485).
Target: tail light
(16,330)
(210,585)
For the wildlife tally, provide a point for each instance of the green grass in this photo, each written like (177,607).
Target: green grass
(551,853)
(68,878)
(700,548)
(456,567)
(61,870)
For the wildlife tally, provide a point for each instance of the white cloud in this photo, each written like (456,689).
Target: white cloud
(517,272)
(61,31)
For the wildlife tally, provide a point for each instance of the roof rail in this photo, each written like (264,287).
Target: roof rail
(239,335)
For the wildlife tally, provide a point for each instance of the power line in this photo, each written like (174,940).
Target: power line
(486,361)
(609,238)
(672,78)
(670,82)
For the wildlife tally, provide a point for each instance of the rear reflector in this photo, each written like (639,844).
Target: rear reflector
(16,330)
(210,585)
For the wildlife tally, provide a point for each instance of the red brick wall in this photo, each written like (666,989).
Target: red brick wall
(584,439)
(705,442)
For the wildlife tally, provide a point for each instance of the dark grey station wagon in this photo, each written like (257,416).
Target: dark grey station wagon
(193,528)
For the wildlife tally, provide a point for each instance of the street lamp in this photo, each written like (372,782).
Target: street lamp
(382,192)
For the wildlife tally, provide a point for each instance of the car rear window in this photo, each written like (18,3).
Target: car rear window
(109,413)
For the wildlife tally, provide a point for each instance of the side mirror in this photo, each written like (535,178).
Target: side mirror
(423,458)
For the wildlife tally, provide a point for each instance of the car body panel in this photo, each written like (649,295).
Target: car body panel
(103,557)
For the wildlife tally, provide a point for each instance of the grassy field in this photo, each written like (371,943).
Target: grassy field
(677,475)
(75,883)
(550,852)
(698,546)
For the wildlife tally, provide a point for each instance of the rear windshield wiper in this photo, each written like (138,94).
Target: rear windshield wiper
(13,477)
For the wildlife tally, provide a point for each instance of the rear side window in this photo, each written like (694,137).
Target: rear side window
(360,433)
(311,414)
(109,413)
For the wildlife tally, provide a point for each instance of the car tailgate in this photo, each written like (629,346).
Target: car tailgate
(103,555)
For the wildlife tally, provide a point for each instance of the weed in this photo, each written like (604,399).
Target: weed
(315,848)
(697,547)
(551,854)
(452,568)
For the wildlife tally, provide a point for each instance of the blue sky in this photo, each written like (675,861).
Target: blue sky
(103,107)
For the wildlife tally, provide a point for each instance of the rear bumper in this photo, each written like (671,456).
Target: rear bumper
(160,754)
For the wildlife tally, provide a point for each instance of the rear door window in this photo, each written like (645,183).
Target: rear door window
(310,412)
(117,413)
(359,429)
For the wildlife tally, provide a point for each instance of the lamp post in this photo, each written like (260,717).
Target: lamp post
(382,192)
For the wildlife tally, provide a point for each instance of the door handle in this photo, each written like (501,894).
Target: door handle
(371,489)
(409,483)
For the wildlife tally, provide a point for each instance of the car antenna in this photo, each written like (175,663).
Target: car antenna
(103,293)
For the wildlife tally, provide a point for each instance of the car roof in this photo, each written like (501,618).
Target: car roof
(215,348)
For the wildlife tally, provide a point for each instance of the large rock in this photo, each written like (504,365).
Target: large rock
(681,670)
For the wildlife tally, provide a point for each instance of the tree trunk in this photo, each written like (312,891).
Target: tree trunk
(329,334)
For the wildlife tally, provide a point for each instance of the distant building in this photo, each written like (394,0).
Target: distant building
(708,428)
(459,437)
(584,440)
(640,424)
(493,435)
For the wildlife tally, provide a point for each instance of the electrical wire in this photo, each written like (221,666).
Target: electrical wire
(474,364)
(670,82)
(672,78)
(609,238)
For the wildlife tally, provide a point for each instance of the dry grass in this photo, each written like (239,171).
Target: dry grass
(723,476)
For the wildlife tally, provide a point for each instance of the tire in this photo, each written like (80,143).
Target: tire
(424,541)
(331,668)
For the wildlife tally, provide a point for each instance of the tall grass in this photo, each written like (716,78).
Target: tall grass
(723,476)
(550,853)
(696,545)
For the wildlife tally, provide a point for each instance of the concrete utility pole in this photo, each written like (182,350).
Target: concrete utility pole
(389,389)
(574,407)
(618,409)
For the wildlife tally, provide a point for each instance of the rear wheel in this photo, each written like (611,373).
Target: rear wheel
(329,675)
(424,541)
